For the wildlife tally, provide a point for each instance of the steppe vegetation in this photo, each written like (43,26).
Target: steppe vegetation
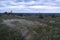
(29,27)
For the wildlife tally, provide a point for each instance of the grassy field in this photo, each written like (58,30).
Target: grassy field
(29,28)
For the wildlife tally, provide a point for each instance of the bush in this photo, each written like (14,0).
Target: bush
(53,16)
(41,16)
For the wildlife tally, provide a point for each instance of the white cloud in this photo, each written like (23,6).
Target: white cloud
(31,6)
(44,7)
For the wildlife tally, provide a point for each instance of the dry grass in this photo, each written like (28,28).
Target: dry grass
(34,28)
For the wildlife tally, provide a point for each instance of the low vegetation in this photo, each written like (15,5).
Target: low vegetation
(7,33)
(24,27)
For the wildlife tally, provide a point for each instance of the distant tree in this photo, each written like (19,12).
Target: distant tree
(5,12)
(53,16)
(0,15)
(41,16)
(20,14)
(10,12)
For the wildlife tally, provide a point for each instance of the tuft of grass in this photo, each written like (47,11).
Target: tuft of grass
(7,33)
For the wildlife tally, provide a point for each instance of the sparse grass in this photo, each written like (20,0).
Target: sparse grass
(7,33)
(50,32)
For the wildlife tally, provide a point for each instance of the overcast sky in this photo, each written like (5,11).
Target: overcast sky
(30,6)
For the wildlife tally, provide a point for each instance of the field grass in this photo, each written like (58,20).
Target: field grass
(49,32)
(7,33)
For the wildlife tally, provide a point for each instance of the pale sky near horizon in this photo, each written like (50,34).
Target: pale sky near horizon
(30,6)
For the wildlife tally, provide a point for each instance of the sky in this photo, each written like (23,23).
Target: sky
(30,6)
